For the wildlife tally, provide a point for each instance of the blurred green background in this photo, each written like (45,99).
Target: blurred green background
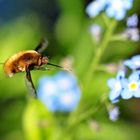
(66,26)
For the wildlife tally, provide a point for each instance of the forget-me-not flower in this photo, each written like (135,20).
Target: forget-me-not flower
(131,86)
(118,8)
(113,8)
(132,34)
(133,63)
(132,21)
(115,84)
(132,31)
(96,31)
(95,7)
(114,113)
(59,92)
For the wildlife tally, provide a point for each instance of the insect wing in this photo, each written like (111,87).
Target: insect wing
(42,46)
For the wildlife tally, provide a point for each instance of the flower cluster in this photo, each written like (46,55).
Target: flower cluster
(132,31)
(113,8)
(126,87)
(59,92)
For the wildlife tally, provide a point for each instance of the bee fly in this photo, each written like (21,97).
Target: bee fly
(25,61)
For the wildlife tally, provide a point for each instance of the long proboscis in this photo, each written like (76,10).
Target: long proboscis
(59,66)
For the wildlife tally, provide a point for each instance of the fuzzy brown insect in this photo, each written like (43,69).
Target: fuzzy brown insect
(25,61)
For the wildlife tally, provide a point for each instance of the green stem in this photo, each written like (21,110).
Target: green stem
(77,118)
(119,37)
(100,50)
(105,19)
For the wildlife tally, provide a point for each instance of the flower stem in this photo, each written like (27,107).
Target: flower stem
(100,50)
(77,118)
(89,76)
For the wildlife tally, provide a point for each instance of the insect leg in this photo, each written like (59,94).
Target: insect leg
(29,83)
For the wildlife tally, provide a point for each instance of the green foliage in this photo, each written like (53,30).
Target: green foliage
(28,119)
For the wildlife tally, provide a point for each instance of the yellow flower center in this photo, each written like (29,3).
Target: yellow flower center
(133,86)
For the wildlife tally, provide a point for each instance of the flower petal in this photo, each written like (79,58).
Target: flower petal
(111,82)
(120,74)
(114,95)
(120,15)
(128,4)
(129,64)
(126,94)
(93,9)
(137,93)
(134,76)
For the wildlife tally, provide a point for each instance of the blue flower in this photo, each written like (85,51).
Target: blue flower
(132,34)
(96,31)
(133,63)
(95,7)
(113,8)
(131,86)
(132,21)
(132,31)
(59,92)
(114,113)
(118,8)
(115,84)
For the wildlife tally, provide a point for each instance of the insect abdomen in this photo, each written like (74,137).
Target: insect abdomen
(18,62)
